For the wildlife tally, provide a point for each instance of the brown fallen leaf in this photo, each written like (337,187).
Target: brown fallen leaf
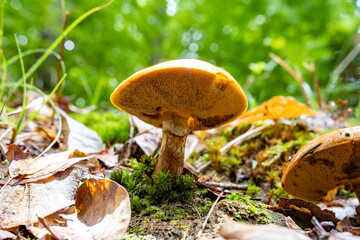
(275,108)
(302,211)
(43,167)
(102,212)
(23,204)
(243,231)
(15,153)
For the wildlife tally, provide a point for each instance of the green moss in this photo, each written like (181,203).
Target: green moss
(253,190)
(248,210)
(148,190)
(112,128)
(279,191)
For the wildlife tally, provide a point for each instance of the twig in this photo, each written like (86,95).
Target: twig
(204,166)
(312,69)
(246,136)
(343,65)
(318,226)
(208,216)
(226,185)
(65,23)
(297,76)
(270,197)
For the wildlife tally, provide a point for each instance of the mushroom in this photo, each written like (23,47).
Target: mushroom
(180,96)
(327,162)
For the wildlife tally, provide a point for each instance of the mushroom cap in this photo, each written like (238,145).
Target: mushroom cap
(202,94)
(323,164)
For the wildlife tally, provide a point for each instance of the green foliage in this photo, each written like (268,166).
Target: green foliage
(279,191)
(112,128)
(148,190)
(248,210)
(253,190)
(130,35)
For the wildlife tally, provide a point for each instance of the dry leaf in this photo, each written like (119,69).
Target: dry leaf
(23,204)
(243,231)
(43,167)
(78,136)
(103,212)
(5,235)
(15,153)
(275,108)
(343,236)
(302,211)
(107,156)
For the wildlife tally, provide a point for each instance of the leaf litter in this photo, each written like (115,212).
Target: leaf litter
(44,194)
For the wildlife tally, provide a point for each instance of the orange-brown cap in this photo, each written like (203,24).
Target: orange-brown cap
(323,164)
(204,95)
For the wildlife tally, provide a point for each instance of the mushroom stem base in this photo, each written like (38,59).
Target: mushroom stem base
(171,156)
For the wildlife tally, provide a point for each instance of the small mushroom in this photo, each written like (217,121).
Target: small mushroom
(180,96)
(327,162)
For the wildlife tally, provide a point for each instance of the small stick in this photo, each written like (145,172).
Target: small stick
(208,216)
(312,69)
(297,76)
(226,185)
(318,226)
(270,197)
(246,136)
(65,23)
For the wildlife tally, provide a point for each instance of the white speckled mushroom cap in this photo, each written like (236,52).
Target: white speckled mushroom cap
(206,95)
(323,164)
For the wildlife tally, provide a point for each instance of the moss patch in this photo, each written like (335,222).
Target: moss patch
(112,128)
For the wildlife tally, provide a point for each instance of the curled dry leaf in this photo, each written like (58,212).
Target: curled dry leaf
(5,235)
(23,204)
(275,108)
(302,211)
(43,167)
(243,231)
(15,153)
(78,136)
(102,212)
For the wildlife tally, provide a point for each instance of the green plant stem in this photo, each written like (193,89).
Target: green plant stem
(44,103)
(22,114)
(36,65)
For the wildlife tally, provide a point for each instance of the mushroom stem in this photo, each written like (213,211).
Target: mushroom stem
(171,156)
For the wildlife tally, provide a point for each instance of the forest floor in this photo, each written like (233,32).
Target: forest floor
(231,174)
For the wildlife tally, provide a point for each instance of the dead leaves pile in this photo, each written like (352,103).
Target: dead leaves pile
(40,195)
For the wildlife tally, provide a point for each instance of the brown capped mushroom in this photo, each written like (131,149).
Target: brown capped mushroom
(180,96)
(323,164)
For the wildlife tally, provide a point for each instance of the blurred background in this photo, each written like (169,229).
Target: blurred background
(237,35)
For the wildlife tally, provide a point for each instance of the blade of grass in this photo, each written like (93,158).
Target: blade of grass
(296,76)
(61,60)
(44,103)
(63,34)
(3,67)
(22,114)
(2,7)
(2,108)
(36,65)
(49,146)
